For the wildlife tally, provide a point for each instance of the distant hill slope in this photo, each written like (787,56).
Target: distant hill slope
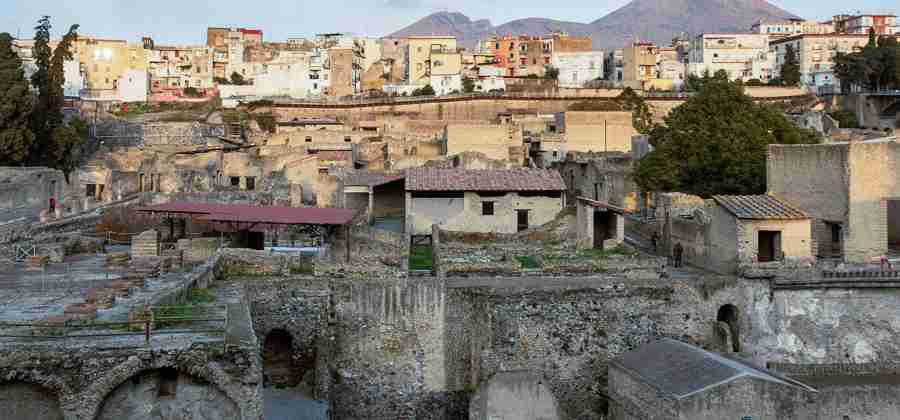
(653,20)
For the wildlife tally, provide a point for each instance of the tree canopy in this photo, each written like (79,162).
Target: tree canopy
(15,106)
(715,143)
(876,66)
(790,69)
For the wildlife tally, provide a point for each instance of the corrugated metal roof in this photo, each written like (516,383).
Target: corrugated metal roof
(256,214)
(681,370)
(437,179)
(759,207)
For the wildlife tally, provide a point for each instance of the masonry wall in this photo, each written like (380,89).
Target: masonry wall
(493,141)
(596,131)
(873,177)
(796,239)
(298,137)
(816,179)
(465,214)
(633,399)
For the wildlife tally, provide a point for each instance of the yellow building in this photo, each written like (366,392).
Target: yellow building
(105,61)
(639,62)
(420,51)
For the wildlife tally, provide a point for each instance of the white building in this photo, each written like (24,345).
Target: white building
(789,27)
(133,86)
(742,56)
(577,68)
(815,54)
(490,79)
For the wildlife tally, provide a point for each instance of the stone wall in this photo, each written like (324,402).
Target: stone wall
(464,214)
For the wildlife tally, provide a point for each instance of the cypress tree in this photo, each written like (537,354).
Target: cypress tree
(15,106)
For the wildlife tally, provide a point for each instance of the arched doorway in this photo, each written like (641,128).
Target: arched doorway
(24,401)
(167,394)
(289,380)
(279,369)
(728,328)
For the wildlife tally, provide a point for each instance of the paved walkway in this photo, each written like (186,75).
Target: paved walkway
(292,404)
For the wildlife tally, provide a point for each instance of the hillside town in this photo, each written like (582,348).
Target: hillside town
(345,227)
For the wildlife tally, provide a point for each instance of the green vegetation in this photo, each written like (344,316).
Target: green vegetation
(551,73)
(528,262)
(592,254)
(877,66)
(468,85)
(715,143)
(421,257)
(628,100)
(790,70)
(16,136)
(847,119)
(192,92)
(238,79)
(193,306)
(427,90)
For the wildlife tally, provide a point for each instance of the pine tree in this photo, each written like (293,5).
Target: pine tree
(790,70)
(52,146)
(15,106)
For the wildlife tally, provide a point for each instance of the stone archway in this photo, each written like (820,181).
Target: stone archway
(27,401)
(728,328)
(279,368)
(167,394)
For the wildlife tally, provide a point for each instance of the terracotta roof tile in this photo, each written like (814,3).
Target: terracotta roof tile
(370,178)
(438,179)
(759,207)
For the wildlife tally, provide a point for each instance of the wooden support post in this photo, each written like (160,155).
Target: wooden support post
(348,243)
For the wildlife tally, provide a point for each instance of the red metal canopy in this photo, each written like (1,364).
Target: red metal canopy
(244,213)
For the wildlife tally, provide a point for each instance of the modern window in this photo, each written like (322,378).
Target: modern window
(487,208)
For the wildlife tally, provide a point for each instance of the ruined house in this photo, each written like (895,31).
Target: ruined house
(596,131)
(727,233)
(501,142)
(671,380)
(604,177)
(849,189)
(486,201)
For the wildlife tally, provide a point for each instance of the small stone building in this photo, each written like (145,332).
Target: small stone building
(671,380)
(483,201)
(375,195)
(730,232)
(599,225)
(605,177)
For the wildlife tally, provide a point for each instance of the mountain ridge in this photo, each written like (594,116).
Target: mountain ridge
(652,20)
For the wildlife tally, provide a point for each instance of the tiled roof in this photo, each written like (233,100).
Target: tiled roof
(436,179)
(759,207)
(681,370)
(370,178)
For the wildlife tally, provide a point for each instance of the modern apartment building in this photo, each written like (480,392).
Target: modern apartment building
(816,53)
(742,56)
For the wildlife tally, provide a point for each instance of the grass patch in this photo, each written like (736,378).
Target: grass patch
(421,257)
(528,262)
(194,306)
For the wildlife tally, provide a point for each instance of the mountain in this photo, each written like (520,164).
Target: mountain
(652,20)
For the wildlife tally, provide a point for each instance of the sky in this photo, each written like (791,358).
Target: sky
(185,21)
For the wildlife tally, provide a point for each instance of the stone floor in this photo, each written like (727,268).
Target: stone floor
(292,404)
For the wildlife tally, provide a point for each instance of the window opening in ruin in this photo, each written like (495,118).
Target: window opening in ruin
(893,225)
(487,208)
(769,246)
(348,139)
(521,220)
(168,383)
(728,328)
(90,190)
(308,139)
(251,183)
(235,181)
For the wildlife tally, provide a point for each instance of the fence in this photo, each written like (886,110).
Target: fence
(153,322)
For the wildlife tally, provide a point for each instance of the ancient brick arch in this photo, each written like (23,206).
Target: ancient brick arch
(729,327)
(26,400)
(168,394)
(100,391)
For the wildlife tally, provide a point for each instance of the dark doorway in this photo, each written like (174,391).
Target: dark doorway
(521,220)
(769,246)
(252,240)
(604,227)
(90,190)
(278,360)
(728,318)
(834,247)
